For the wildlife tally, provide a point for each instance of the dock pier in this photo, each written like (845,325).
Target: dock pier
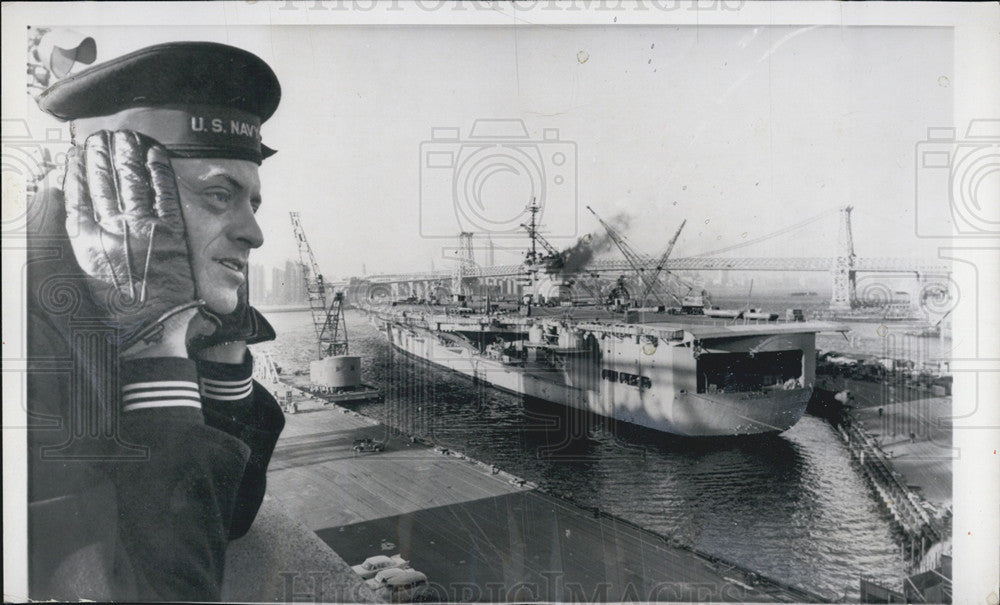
(899,435)
(918,529)
(479,533)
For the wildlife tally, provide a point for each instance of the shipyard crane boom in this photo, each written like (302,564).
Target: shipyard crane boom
(331,332)
(662,263)
(545,244)
(537,237)
(638,262)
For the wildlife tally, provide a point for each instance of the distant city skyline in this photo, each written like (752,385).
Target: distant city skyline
(285,287)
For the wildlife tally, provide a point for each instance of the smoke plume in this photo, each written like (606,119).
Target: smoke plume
(576,257)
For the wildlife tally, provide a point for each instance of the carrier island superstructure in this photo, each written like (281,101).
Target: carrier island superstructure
(688,378)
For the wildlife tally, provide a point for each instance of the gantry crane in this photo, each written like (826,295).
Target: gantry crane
(331,331)
(661,264)
(647,269)
(638,262)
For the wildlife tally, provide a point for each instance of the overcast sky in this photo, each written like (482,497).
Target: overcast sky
(740,130)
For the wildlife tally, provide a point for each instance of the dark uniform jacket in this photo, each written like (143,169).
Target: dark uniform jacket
(142,471)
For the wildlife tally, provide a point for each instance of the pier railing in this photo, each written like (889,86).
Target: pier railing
(906,507)
(265,370)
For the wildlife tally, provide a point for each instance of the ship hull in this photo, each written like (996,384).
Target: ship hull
(654,388)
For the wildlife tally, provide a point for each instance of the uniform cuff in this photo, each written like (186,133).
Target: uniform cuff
(159,382)
(226,381)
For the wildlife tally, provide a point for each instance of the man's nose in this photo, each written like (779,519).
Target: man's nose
(245,228)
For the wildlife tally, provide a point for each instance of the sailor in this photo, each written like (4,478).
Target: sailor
(148,438)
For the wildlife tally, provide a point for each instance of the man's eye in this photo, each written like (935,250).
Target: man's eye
(219,197)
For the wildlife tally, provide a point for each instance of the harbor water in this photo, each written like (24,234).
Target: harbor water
(788,506)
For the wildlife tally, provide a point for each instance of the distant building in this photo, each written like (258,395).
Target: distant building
(258,287)
(277,282)
(294,287)
(287,285)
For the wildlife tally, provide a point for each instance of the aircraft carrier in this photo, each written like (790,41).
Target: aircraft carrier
(686,370)
(688,378)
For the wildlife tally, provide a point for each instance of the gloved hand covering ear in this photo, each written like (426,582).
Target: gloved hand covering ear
(122,203)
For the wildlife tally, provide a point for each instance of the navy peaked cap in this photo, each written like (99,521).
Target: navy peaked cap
(197,99)
(176,73)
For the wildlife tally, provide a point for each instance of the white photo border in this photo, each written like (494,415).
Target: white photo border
(976,527)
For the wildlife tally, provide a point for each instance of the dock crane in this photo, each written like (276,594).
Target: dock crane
(331,331)
(662,263)
(639,262)
(647,269)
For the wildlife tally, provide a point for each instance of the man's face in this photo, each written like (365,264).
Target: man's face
(219,199)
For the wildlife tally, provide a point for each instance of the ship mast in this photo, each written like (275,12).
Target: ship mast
(531,257)
(532,228)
